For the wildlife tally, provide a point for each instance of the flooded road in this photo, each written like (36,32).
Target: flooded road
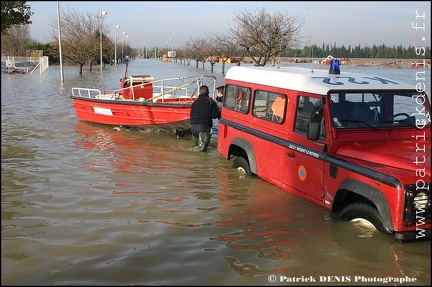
(84,204)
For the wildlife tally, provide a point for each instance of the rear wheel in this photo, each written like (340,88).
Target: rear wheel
(242,164)
(363,211)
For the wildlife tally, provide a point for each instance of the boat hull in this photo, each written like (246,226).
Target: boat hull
(134,113)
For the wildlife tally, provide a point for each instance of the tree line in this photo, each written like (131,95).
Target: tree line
(257,35)
(382,51)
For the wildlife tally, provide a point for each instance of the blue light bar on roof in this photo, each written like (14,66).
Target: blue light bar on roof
(334,67)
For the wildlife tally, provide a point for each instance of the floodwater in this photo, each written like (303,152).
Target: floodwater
(84,204)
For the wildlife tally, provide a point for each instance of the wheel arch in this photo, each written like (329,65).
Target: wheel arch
(241,147)
(352,190)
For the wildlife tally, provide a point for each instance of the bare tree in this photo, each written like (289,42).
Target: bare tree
(182,56)
(211,59)
(13,44)
(224,48)
(198,49)
(80,37)
(263,36)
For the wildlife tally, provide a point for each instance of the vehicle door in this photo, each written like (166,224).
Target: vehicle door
(304,159)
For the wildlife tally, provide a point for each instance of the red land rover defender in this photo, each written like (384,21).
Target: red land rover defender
(358,145)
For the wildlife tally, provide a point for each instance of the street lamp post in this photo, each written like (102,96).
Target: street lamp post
(143,49)
(122,56)
(102,14)
(127,37)
(115,45)
(172,49)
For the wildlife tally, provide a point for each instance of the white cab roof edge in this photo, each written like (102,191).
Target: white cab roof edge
(312,80)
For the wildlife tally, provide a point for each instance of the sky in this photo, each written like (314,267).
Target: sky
(172,23)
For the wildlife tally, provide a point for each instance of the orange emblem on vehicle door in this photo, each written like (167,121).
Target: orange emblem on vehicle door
(302,172)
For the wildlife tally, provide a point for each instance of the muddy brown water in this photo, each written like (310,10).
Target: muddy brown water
(84,204)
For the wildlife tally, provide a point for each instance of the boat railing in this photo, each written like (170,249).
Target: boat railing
(86,92)
(179,88)
(164,89)
(210,81)
(187,88)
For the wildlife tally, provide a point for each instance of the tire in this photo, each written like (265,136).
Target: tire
(364,211)
(242,164)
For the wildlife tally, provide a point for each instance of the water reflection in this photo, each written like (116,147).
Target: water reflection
(306,240)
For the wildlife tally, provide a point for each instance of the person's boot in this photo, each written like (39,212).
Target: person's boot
(204,140)
(194,142)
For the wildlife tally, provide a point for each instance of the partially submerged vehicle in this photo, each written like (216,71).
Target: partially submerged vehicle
(357,145)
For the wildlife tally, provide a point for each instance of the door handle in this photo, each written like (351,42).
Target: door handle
(290,154)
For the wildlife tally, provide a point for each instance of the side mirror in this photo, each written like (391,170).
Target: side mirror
(313,131)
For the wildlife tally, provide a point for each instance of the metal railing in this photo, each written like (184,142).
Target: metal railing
(173,88)
(32,63)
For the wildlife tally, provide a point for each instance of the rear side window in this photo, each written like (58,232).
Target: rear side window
(237,98)
(270,106)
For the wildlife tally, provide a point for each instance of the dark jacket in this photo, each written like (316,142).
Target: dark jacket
(204,110)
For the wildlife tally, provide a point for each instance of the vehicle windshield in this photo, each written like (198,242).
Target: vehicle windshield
(379,109)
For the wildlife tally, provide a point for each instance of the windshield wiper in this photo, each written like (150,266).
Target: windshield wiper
(407,122)
(359,121)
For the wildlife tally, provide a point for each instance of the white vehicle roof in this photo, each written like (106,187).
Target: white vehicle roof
(316,81)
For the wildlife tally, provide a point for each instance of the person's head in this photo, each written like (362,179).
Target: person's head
(204,90)
(220,90)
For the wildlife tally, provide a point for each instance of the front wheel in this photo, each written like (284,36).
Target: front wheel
(364,211)
(242,164)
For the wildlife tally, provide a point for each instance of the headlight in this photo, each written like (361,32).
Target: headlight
(421,200)
(417,205)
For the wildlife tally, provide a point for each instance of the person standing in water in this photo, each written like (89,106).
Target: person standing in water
(219,98)
(204,109)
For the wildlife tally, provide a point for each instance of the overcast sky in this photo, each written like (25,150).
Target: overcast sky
(149,23)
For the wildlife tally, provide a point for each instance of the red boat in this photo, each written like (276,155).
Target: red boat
(143,102)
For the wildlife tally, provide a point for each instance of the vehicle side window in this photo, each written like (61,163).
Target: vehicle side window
(269,106)
(307,108)
(237,98)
